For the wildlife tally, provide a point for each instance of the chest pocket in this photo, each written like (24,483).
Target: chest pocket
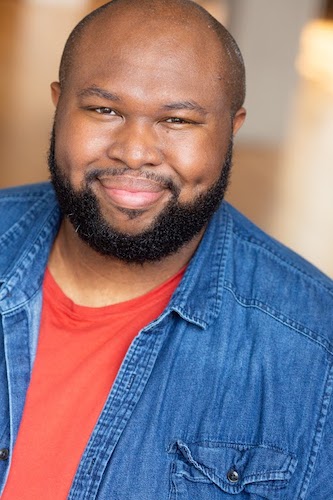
(218,470)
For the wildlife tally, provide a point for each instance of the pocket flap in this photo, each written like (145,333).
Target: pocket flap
(234,466)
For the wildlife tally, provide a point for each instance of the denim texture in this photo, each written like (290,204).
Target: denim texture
(228,394)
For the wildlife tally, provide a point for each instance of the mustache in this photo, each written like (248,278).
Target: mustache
(96,173)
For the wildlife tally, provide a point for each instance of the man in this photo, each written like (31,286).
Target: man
(155,344)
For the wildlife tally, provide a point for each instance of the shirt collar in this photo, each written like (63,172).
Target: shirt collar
(198,298)
(26,246)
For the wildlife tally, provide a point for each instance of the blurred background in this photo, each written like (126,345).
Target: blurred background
(283,168)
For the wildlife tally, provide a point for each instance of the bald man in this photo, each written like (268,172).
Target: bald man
(154,343)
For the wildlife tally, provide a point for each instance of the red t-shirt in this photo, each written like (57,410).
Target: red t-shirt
(79,353)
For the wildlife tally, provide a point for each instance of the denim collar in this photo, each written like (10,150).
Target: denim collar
(198,298)
(25,246)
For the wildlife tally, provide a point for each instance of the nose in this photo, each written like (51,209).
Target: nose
(136,145)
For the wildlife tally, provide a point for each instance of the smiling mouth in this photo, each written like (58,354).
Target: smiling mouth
(132,192)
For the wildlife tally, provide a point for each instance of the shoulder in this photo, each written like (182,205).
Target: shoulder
(24,202)
(264,274)
(29,219)
(28,191)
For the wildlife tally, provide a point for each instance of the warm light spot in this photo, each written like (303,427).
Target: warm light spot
(316,53)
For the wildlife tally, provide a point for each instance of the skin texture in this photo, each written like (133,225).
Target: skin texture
(152,106)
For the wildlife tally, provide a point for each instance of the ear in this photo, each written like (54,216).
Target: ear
(55,92)
(238,120)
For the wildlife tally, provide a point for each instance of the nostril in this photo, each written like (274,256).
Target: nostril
(135,144)
(135,155)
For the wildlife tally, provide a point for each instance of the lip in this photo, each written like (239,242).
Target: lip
(132,192)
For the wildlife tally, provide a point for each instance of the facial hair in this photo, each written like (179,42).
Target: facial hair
(177,224)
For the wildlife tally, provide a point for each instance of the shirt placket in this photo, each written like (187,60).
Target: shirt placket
(123,398)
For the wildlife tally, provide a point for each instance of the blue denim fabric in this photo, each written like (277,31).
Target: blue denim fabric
(228,394)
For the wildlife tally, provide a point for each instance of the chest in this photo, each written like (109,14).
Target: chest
(223,414)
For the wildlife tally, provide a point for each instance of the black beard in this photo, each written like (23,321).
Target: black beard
(175,226)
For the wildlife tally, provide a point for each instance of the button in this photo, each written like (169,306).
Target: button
(4,453)
(233,476)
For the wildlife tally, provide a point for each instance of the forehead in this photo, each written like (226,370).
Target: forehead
(156,53)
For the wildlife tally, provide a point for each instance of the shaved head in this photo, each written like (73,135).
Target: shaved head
(168,15)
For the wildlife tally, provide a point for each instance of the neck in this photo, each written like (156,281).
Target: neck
(93,280)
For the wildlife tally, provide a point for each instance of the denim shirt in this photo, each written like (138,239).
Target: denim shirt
(228,394)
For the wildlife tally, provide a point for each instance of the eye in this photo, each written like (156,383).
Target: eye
(176,119)
(105,111)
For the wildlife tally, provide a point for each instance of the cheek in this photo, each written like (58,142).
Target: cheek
(198,162)
(78,146)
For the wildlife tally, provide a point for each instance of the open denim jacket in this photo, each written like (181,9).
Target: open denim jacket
(228,394)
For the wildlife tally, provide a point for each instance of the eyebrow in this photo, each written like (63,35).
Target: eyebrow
(110,96)
(186,105)
(97,91)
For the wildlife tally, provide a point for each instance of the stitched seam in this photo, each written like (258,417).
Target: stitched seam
(24,220)
(19,197)
(237,444)
(281,318)
(179,303)
(92,486)
(279,257)
(34,247)
(317,438)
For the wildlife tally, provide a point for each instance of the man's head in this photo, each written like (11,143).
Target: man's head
(150,95)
